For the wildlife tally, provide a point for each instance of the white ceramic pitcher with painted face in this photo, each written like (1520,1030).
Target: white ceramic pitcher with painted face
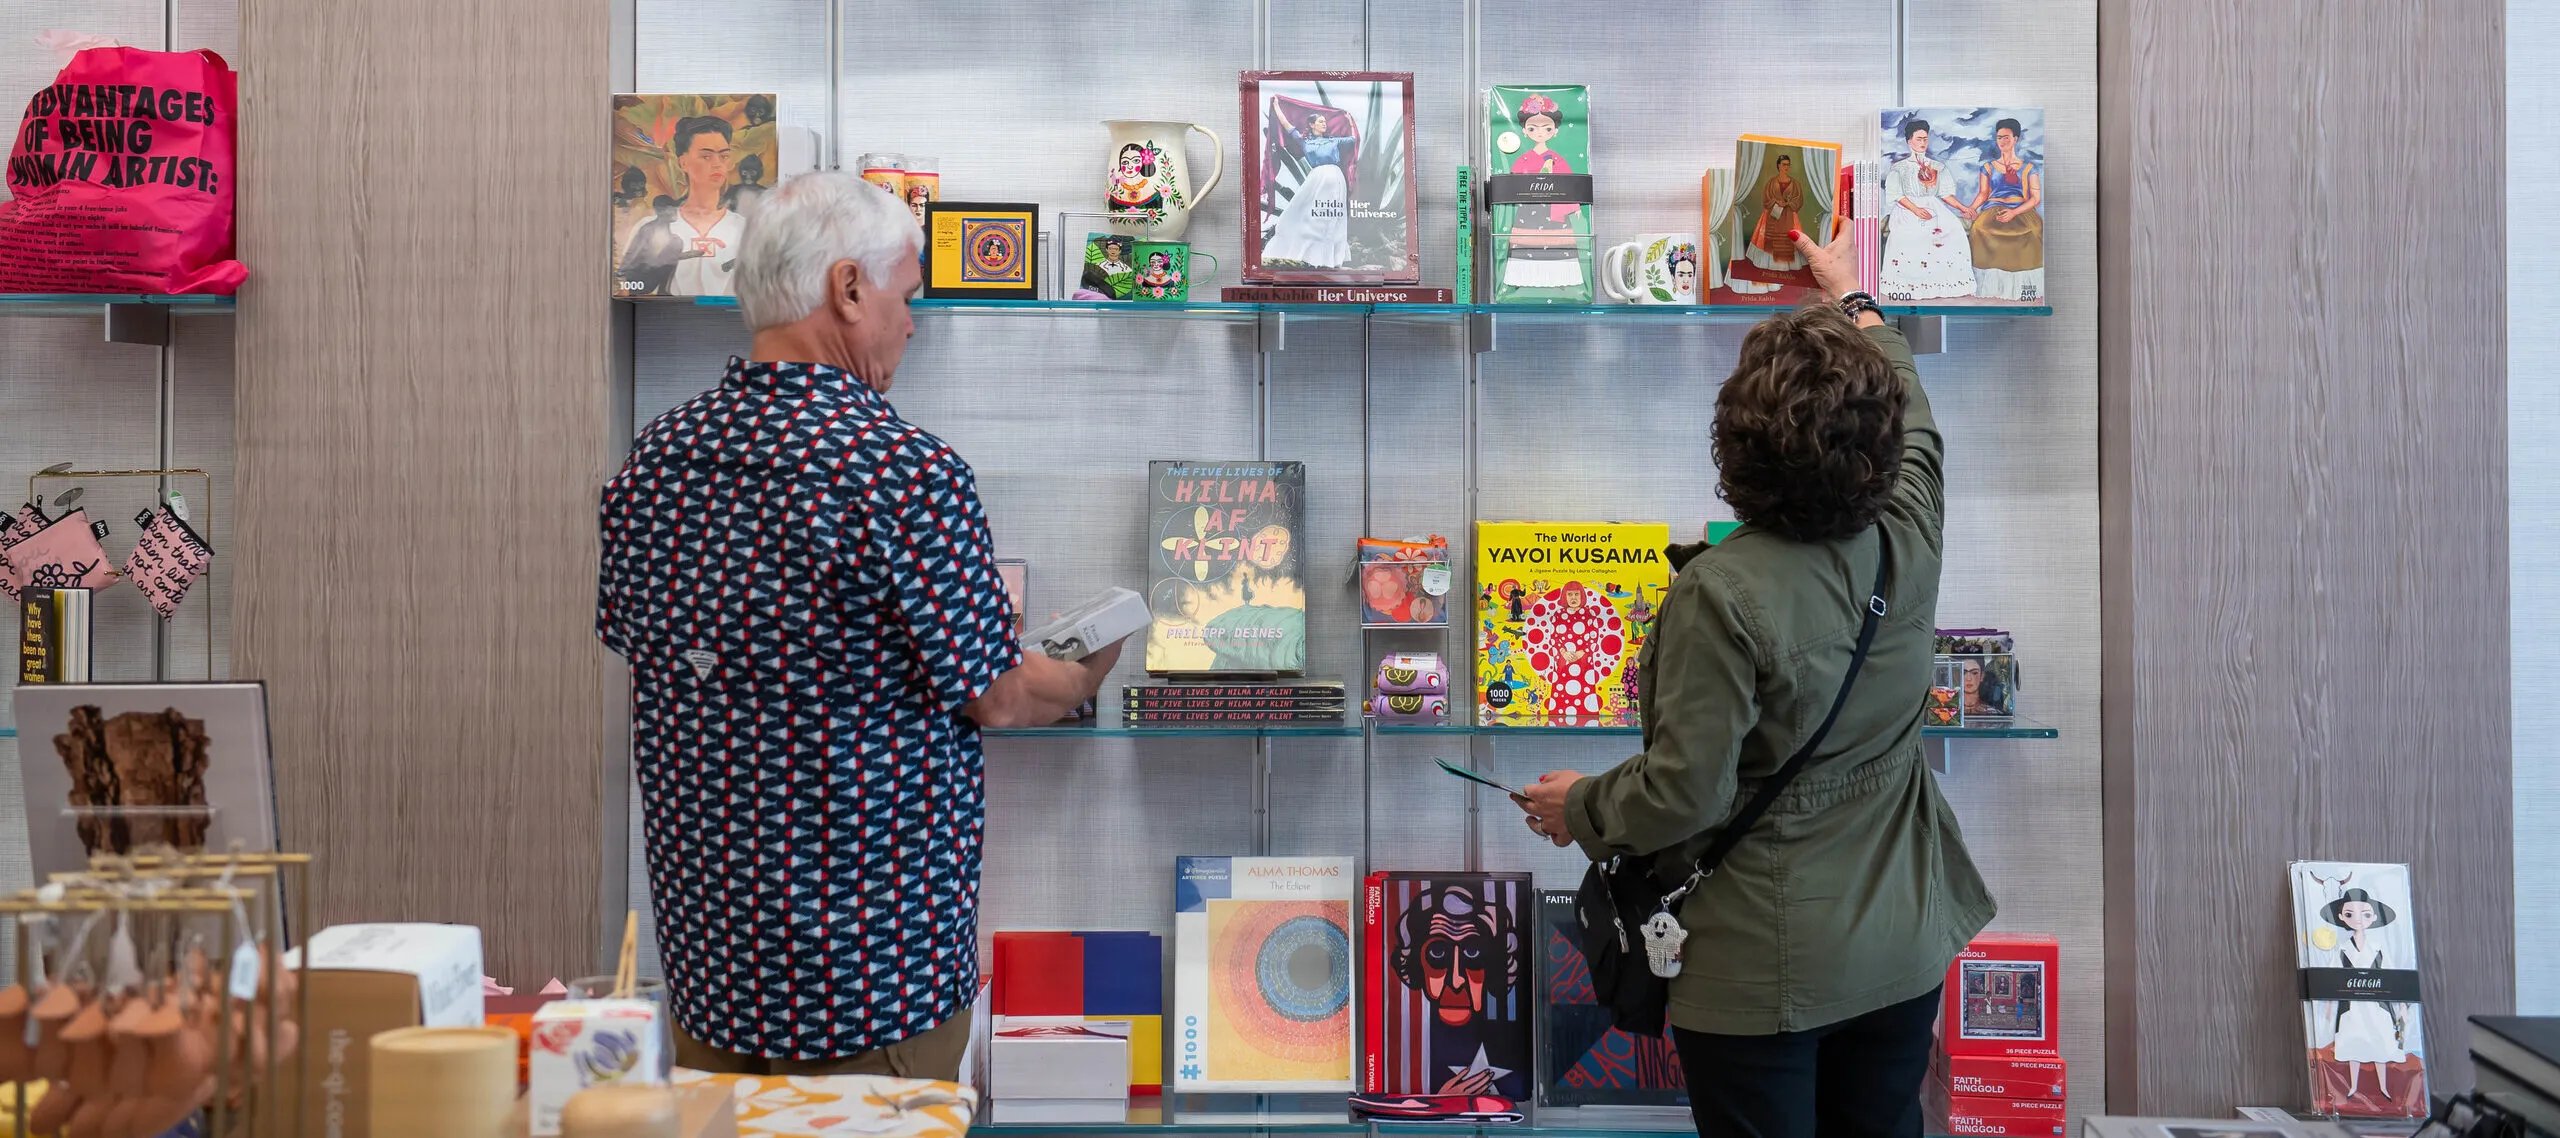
(1152,193)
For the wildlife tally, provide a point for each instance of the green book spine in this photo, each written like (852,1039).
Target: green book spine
(1466,235)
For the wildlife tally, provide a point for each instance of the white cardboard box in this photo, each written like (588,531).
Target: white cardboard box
(1058,1057)
(366,979)
(579,1044)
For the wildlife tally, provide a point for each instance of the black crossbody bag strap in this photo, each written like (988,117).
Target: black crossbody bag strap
(1776,784)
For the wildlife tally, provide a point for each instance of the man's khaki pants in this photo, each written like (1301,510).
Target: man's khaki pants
(935,1054)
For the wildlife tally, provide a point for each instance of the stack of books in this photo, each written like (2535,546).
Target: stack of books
(1078,1024)
(1200,702)
(1998,1070)
(2517,1062)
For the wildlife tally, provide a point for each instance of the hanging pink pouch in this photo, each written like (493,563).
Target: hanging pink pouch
(166,559)
(64,555)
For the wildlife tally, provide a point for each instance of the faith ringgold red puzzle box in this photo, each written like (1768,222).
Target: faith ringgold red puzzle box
(2001,997)
(2005,1077)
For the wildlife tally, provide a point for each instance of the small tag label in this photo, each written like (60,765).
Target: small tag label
(703,660)
(98,529)
(124,965)
(1435,580)
(245,961)
(178,506)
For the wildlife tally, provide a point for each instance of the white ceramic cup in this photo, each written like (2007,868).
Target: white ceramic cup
(1655,268)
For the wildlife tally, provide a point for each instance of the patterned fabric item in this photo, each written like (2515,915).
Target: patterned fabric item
(24,524)
(805,588)
(166,559)
(1466,1109)
(63,555)
(844,1106)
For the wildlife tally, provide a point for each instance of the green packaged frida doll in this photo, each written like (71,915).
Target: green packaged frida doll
(1540,193)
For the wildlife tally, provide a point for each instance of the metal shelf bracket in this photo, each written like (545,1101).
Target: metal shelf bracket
(138,324)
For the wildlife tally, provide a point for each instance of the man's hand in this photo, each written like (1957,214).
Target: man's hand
(1098,665)
(1544,803)
(1041,691)
(1835,266)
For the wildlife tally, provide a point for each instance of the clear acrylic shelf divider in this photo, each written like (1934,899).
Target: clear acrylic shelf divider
(144,826)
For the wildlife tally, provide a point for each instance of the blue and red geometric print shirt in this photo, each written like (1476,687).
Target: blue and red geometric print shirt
(805,589)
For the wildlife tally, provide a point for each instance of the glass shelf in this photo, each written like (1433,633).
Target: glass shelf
(2009,728)
(1112,729)
(88,303)
(1216,310)
(1146,1117)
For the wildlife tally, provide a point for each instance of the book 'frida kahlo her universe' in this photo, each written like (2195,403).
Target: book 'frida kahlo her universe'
(687,170)
(1262,974)
(1328,181)
(2355,931)
(1561,610)
(1223,568)
(1445,985)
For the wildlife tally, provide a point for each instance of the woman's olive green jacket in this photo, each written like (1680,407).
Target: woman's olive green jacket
(1855,891)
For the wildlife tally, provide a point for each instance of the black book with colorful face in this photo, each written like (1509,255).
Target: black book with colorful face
(1450,985)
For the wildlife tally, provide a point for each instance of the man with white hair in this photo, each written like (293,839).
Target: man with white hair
(807,594)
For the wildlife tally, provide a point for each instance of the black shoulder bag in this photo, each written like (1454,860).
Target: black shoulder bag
(1633,956)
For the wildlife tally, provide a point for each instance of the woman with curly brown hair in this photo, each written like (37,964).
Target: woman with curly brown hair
(1808,982)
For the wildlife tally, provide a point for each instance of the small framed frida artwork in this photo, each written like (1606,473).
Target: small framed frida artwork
(1328,164)
(985,250)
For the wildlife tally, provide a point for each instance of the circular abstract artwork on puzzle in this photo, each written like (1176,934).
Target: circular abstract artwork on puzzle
(1284,978)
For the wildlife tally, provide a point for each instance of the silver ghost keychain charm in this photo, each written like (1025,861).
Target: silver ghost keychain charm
(1663,937)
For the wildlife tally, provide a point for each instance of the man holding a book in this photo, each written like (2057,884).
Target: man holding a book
(807,593)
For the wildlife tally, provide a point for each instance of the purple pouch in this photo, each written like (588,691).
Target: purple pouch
(1412,673)
(1409,706)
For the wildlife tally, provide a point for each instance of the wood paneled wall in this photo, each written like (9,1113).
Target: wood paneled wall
(2302,361)
(423,422)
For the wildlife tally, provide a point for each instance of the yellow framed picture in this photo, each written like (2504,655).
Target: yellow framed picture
(982,250)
